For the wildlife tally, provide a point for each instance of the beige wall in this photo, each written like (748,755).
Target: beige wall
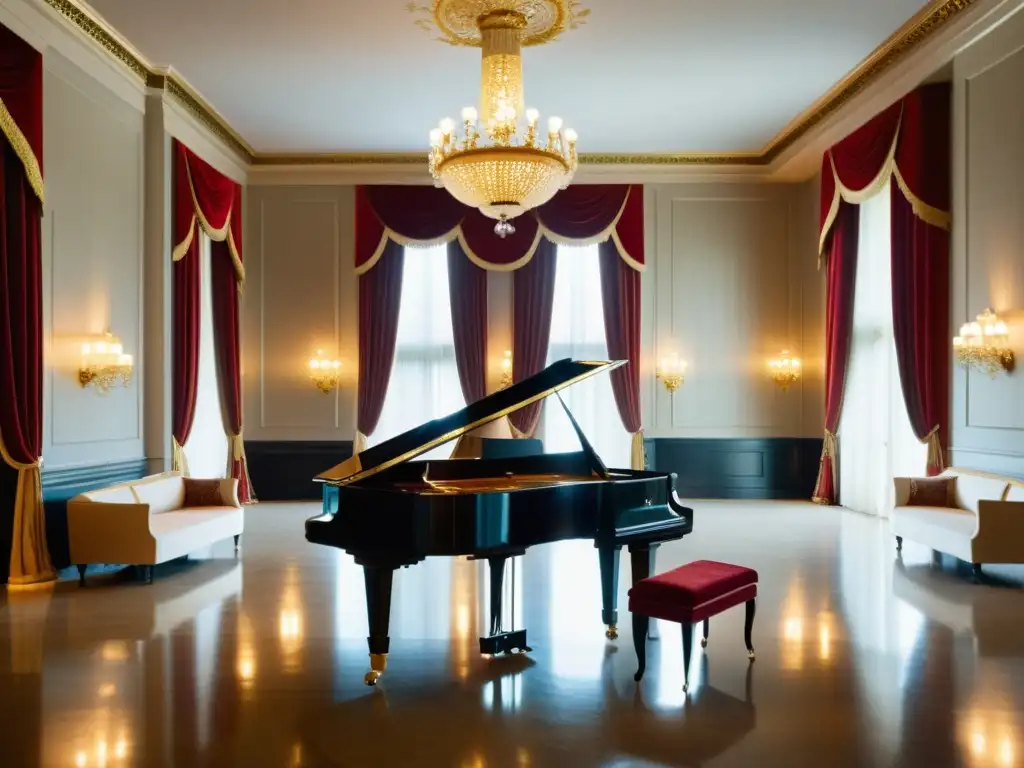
(731,281)
(92,262)
(300,295)
(988,240)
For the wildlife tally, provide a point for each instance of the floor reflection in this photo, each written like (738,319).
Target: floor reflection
(863,659)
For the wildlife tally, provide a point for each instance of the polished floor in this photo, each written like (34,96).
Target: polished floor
(862,660)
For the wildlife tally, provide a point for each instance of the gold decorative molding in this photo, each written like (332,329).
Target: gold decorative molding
(922,26)
(457,21)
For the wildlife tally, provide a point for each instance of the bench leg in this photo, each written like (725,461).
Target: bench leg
(687,648)
(899,543)
(640,625)
(748,627)
(238,540)
(707,627)
(81,574)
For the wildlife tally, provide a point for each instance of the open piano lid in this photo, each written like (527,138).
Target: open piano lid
(423,438)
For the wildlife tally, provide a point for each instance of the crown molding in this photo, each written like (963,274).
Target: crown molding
(926,23)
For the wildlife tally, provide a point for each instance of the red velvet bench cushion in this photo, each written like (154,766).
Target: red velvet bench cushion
(693,592)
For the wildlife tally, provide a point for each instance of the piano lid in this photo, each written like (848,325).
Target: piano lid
(423,438)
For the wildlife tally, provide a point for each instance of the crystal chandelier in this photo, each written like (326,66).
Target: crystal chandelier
(497,163)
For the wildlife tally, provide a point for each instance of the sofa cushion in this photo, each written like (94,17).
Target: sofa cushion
(941,528)
(179,532)
(163,495)
(971,488)
(200,492)
(932,492)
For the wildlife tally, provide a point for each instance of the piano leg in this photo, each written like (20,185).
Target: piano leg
(652,633)
(378,611)
(608,557)
(498,641)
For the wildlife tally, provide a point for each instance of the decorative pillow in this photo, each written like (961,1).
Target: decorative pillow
(932,492)
(202,493)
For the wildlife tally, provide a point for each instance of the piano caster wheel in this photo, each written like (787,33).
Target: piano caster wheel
(378,663)
(372,677)
(703,642)
(612,633)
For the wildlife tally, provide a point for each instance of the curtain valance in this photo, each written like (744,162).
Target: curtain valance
(204,194)
(424,216)
(901,142)
(21,104)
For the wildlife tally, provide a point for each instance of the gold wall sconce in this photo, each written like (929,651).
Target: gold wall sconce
(671,372)
(324,372)
(105,364)
(784,369)
(984,345)
(506,370)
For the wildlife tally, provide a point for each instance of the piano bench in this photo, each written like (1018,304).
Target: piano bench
(688,594)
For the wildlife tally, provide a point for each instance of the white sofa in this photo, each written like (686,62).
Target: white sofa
(987,525)
(143,522)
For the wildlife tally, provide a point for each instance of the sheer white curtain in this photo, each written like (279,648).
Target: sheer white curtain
(876,441)
(577,331)
(424,381)
(207,446)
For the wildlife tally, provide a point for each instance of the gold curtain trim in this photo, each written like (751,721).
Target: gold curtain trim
(637,454)
(515,431)
(600,237)
(625,255)
(926,213)
(510,267)
(833,211)
(390,234)
(359,444)
(182,248)
(829,450)
(23,150)
(935,457)
(236,452)
(217,235)
(30,558)
(179,462)
(236,257)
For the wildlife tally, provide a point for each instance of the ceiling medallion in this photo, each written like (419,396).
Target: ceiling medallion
(508,168)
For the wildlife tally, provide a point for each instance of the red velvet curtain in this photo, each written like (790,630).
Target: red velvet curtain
(533,294)
(206,198)
(380,294)
(921,266)
(620,299)
(21,321)
(841,278)
(427,214)
(909,143)
(467,292)
(227,340)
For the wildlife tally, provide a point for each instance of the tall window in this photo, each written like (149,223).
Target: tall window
(577,331)
(876,441)
(207,446)
(424,381)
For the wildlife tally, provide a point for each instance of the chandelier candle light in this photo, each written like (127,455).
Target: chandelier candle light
(984,344)
(324,373)
(785,369)
(104,364)
(500,162)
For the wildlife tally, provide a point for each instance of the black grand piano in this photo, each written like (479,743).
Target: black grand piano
(389,511)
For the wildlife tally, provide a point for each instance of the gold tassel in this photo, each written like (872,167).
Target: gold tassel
(359,444)
(637,455)
(179,462)
(935,457)
(828,450)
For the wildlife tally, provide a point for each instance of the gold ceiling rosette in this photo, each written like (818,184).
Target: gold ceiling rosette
(500,163)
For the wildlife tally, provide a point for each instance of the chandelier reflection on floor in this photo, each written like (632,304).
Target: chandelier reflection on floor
(497,162)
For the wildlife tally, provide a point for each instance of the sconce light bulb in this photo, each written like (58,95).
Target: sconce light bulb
(469,114)
(554,124)
(447,125)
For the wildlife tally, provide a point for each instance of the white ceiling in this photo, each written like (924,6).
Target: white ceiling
(640,76)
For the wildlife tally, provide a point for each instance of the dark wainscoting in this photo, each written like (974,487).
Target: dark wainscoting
(283,470)
(61,483)
(738,468)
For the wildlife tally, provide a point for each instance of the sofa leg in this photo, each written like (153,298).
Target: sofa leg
(977,571)
(899,543)
(238,539)
(81,574)
(707,627)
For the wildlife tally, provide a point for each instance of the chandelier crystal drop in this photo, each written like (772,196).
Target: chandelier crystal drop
(499,162)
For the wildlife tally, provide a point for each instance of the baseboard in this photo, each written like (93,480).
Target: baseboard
(283,470)
(738,468)
(61,483)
